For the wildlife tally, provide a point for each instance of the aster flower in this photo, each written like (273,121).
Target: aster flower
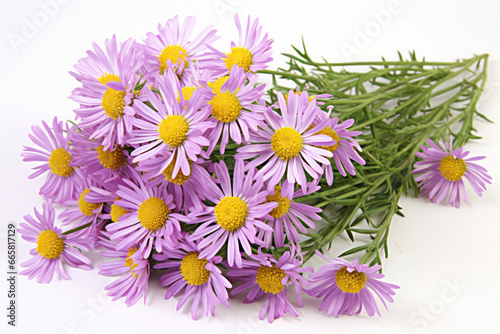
(200,277)
(108,88)
(444,169)
(186,190)
(266,276)
(239,211)
(233,109)
(52,247)
(289,145)
(252,52)
(347,288)
(172,48)
(343,150)
(133,283)
(150,219)
(289,216)
(53,154)
(170,127)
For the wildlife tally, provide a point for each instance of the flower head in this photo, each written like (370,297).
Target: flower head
(347,288)
(52,247)
(444,169)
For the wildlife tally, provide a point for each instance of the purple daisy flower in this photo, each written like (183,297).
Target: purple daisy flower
(289,216)
(52,247)
(108,89)
(233,109)
(289,145)
(133,284)
(266,276)
(172,48)
(343,150)
(252,52)
(86,210)
(188,195)
(170,126)
(347,288)
(150,219)
(238,213)
(199,276)
(444,168)
(53,154)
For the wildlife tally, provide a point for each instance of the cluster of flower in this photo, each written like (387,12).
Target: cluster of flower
(143,175)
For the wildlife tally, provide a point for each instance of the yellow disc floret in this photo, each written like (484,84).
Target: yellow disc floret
(174,53)
(193,269)
(351,282)
(452,168)
(180,178)
(187,92)
(225,107)
(231,213)
(283,203)
(116,212)
(130,262)
(153,213)
(239,56)
(332,134)
(59,162)
(111,159)
(217,84)
(173,130)
(49,244)
(113,101)
(286,143)
(269,279)
(108,78)
(85,207)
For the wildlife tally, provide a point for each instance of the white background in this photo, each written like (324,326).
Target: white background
(434,247)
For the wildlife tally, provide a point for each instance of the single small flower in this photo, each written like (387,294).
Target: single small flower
(238,214)
(266,276)
(108,89)
(444,170)
(233,109)
(344,148)
(53,247)
(170,126)
(134,271)
(289,217)
(198,276)
(348,288)
(172,48)
(289,145)
(53,154)
(150,221)
(251,53)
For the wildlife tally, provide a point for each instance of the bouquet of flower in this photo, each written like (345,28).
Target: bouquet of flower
(181,162)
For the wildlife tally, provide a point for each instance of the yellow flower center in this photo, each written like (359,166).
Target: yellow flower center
(180,178)
(193,269)
(117,211)
(111,159)
(113,101)
(130,263)
(231,213)
(217,84)
(187,92)
(350,282)
(49,244)
(239,56)
(173,130)
(452,168)
(85,207)
(225,107)
(269,279)
(286,143)
(298,93)
(283,203)
(59,162)
(174,53)
(332,134)
(153,213)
